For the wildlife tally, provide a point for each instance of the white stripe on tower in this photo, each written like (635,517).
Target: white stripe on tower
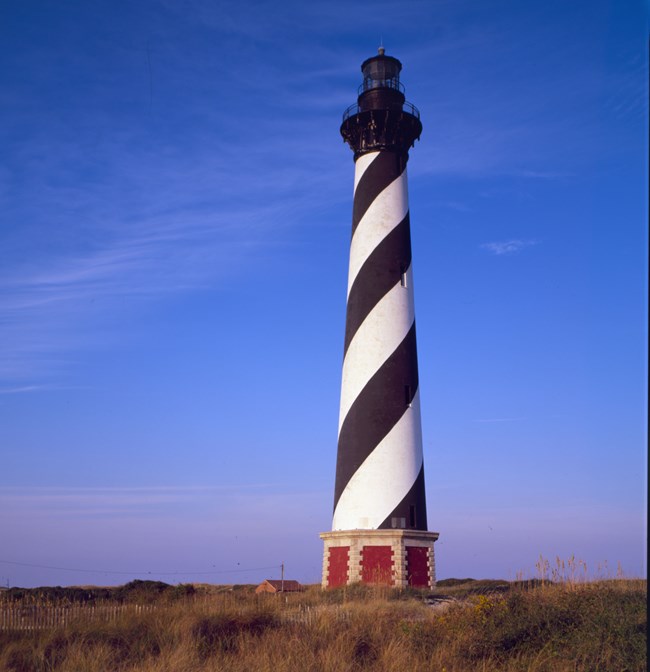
(384,214)
(379,467)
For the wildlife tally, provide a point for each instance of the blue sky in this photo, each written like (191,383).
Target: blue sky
(176,208)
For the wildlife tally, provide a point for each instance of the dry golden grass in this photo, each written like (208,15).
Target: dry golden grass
(490,627)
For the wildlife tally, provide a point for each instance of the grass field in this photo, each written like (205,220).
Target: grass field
(462,626)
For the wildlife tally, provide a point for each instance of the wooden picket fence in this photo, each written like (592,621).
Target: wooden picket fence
(14,617)
(35,617)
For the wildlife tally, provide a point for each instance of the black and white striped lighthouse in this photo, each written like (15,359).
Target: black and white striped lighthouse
(379,530)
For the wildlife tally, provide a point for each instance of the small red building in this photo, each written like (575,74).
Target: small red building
(279,586)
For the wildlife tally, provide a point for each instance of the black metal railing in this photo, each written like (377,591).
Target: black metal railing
(407,107)
(390,83)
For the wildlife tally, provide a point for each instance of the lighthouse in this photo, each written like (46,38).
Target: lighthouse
(379,526)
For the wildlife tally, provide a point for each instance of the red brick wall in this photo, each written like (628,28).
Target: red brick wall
(417,566)
(377,565)
(338,566)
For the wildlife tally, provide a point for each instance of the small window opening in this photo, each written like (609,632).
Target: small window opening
(407,395)
(398,522)
(402,280)
(412,520)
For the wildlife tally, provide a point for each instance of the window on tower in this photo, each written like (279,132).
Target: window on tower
(412,520)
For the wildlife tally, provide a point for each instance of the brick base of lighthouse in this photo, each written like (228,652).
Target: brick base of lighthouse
(398,558)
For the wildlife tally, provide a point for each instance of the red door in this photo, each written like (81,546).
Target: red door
(417,566)
(338,566)
(377,565)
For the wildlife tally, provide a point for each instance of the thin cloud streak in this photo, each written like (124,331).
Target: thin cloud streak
(497,419)
(508,246)
(177,240)
(26,389)
(54,501)
(546,174)
(23,389)
(137,505)
(140,489)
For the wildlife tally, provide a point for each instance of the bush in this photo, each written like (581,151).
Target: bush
(225,633)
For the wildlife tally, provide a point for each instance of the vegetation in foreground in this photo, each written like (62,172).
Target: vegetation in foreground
(487,626)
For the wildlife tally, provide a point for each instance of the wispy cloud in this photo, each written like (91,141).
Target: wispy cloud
(151,227)
(122,206)
(497,419)
(454,205)
(22,390)
(87,501)
(508,246)
(546,174)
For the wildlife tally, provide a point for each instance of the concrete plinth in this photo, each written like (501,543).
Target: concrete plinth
(399,558)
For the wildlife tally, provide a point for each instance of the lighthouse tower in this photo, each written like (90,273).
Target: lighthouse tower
(379,530)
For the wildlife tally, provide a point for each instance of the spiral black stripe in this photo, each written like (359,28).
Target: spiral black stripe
(380,272)
(416,497)
(376,410)
(383,170)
